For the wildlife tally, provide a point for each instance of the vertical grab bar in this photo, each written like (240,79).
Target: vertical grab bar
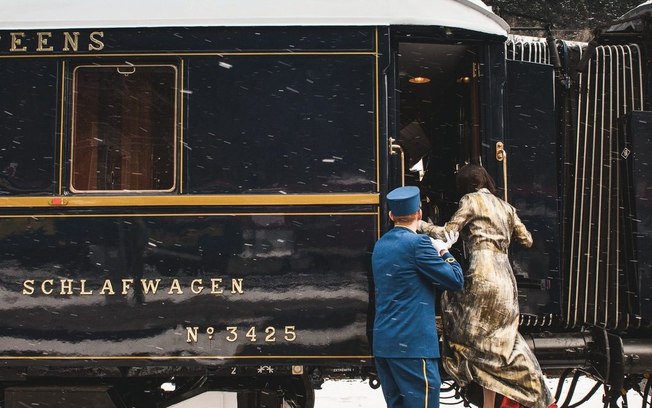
(393,149)
(501,156)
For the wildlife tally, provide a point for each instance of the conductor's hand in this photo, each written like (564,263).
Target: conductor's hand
(440,246)
(443,246)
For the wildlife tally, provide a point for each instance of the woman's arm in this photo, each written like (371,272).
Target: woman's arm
(456,223)
(520,233)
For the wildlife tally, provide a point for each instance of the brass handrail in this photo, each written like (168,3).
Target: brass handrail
(393,148)
(501,156)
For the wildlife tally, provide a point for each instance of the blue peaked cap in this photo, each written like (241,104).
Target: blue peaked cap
(404,200)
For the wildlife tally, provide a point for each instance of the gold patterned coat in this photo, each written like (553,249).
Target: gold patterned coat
(480,323)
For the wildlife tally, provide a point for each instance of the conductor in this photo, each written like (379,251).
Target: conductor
(407,269)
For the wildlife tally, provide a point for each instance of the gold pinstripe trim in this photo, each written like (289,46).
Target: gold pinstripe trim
(189,200)
(39,357)
(377,108)
(186,214)
(184,54)
(378,229)
(425,376)
(180,95)
(62,108)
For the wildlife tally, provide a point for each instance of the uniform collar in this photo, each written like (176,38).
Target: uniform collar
(404,227)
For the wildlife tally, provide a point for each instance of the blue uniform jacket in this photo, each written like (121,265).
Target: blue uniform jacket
(407,269)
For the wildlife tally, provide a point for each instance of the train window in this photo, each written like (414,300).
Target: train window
(281,124)
(28,122)
(123,128)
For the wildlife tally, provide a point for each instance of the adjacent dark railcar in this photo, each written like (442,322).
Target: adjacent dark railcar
(584,185)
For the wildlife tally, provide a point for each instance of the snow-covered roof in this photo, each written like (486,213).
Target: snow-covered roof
(56,14)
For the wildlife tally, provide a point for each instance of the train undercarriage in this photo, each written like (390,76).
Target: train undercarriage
(615,364)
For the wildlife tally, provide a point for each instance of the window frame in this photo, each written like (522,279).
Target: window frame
(175,131)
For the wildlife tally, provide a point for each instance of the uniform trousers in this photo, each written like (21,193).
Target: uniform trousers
(409,382)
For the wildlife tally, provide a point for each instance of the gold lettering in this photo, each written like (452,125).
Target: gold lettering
(17,41)
(96,44)
(150,285)
(28,287)
(196,286)
(126,284)
(70,41)
(66,287)
(290,333)
(236,286)
(192,334)
(215,285)
(50,282)
(82,288)
(107,288)
(175,286)
(43,41)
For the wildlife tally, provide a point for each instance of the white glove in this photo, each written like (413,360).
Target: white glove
(441,246)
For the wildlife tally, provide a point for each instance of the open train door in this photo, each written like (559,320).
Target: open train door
(528,168)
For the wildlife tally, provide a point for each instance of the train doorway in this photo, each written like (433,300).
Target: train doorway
(438,123)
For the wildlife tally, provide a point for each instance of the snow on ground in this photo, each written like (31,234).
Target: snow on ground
(358,394)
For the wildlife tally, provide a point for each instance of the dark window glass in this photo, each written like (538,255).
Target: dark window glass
(124,128)
(281,124)
(28,126)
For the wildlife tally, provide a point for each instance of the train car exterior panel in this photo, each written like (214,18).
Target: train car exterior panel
(206,287)
(637,145)
(29,125)
(206,194)
(530,172)
(177,122)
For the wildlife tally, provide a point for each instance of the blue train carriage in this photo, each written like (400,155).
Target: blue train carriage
(190,191)
(578,136)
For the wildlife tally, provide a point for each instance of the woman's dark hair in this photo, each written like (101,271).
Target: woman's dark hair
(473,177)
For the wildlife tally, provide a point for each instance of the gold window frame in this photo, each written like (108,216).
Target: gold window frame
(125,69)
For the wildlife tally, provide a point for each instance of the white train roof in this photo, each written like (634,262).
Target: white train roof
(57,14)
